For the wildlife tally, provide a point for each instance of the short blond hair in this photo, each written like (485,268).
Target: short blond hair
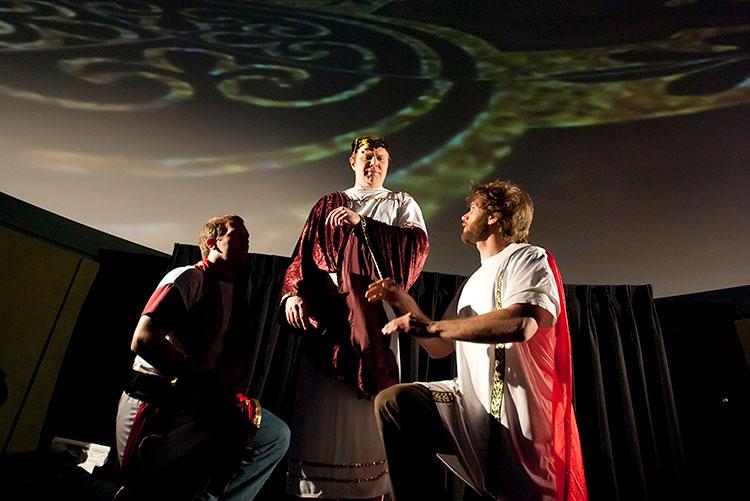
(510,203)
(214,228)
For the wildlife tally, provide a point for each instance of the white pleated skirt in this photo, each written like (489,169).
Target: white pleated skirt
(336,450)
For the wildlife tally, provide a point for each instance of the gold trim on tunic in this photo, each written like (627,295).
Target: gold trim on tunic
(443,397)
(498,373)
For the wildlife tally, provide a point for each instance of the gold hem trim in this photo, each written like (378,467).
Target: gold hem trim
(339,480)
(318,464)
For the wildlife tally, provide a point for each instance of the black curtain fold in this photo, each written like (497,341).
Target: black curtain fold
(623,396)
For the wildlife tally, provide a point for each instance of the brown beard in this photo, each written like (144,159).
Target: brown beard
(477,231)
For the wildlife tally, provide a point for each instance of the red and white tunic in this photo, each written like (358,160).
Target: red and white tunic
(195,305)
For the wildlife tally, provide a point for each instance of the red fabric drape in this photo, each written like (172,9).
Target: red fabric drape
(137,432)
(571,482)
(349,343)
(317,249)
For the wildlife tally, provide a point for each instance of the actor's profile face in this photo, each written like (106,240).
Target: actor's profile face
(370,167)
(234,244)
(475,223)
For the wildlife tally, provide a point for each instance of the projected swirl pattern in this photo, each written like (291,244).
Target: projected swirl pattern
(292,63)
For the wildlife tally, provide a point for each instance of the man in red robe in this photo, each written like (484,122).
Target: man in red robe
(350,239)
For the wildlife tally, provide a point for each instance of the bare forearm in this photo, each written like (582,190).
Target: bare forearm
(434,346)
(151,344)
(493,327)
(165,358)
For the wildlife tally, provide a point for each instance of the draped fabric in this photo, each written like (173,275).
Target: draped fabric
(622,392)
(570,478)
(349,344)
(632,446)
(317,251)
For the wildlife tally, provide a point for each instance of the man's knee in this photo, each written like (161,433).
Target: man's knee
(388,399)
(276,433)
(283,435)
(399,400)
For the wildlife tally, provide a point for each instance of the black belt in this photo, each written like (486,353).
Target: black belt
(150,387)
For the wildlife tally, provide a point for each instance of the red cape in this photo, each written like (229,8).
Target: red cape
(571,484)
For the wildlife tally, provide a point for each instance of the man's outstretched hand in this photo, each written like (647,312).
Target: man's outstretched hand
(386,290)
(408,324)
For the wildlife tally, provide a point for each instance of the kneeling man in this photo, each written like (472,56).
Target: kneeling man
(506,423)
(185,429)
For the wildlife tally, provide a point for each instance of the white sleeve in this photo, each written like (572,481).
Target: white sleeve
(409,213)
(529,280)
(189,281)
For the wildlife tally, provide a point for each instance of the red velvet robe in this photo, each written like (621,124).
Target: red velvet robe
(349,343)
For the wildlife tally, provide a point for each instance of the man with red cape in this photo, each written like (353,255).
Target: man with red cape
(506,423)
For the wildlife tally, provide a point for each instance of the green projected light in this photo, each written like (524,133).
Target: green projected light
(320,68)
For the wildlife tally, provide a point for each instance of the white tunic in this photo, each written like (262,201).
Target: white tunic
(396,208)
(335,450)
(526,409)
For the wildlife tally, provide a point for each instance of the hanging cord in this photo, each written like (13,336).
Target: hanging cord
(363,223)
(387,307)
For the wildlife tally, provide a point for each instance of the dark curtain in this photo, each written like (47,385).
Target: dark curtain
(711,386)
(632,446)
(624,404)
